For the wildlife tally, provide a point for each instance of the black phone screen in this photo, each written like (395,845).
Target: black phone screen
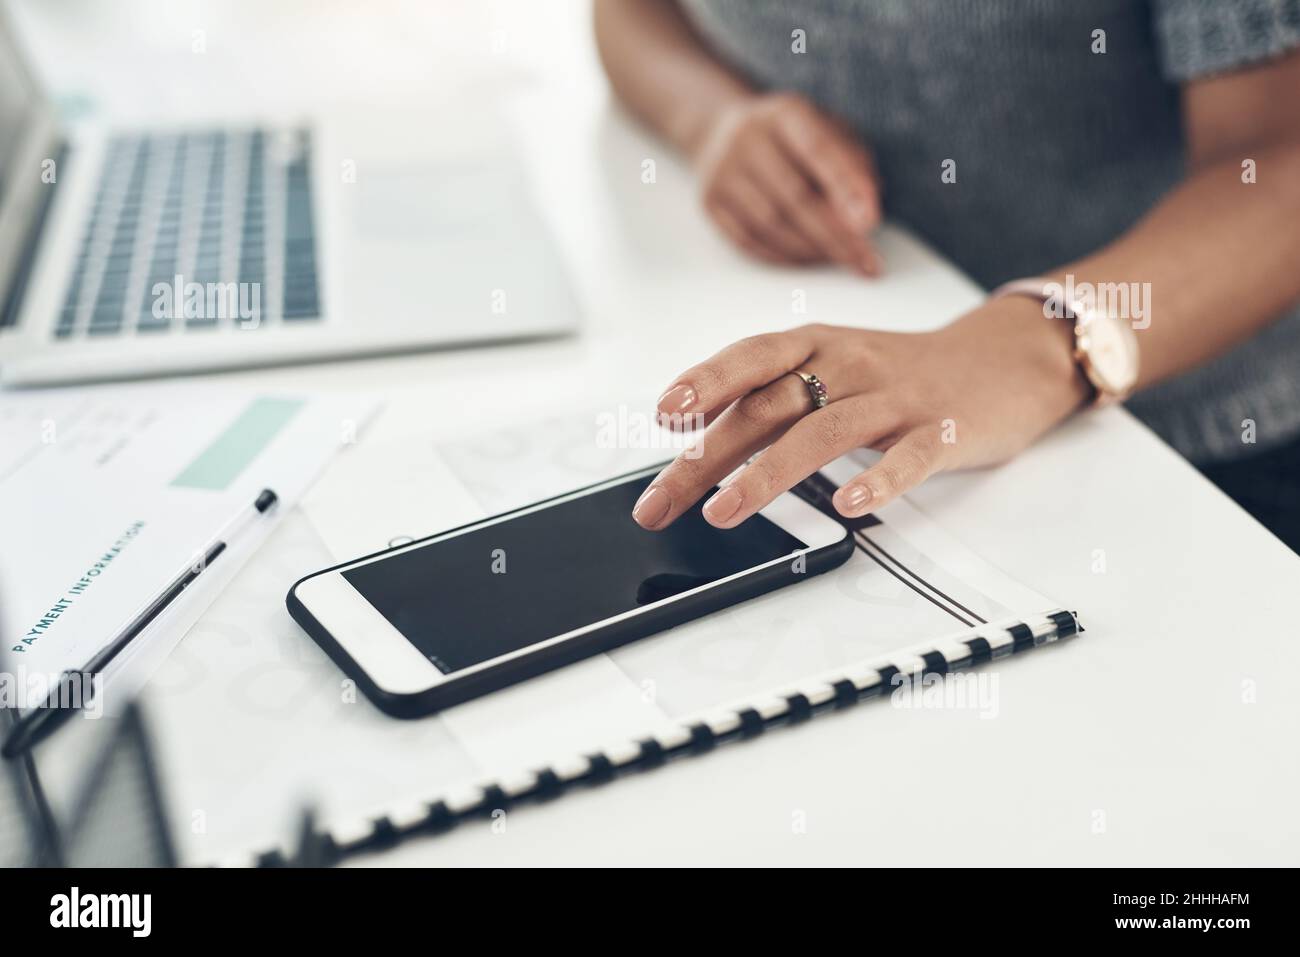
(493,590)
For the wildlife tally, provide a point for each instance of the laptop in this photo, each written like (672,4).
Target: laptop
(253,240)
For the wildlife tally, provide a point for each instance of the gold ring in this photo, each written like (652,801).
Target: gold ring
(816,389)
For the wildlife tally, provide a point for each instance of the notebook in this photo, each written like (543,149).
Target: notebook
(907,671)
(272,758)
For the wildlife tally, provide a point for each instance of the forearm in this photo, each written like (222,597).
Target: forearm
(660,69)
(1221,257)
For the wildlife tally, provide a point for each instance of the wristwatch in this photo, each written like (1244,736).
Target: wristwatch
(1105,346)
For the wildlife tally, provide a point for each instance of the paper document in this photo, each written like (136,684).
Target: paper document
(106,494)
(298,729)
(254,720)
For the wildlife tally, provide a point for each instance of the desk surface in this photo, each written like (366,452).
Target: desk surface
(1165,735)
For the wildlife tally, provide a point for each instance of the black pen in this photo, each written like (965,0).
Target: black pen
(42,721)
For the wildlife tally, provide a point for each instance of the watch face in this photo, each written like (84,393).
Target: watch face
(1111,348)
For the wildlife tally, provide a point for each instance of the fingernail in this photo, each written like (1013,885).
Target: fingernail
(872,264)
(677,399)
(852,500)
(651,507)
(722,506)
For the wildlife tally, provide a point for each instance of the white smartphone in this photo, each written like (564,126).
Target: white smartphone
(465,612)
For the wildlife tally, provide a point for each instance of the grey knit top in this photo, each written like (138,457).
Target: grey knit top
(1043,131)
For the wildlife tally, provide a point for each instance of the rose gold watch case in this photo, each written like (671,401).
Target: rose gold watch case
(1108,392)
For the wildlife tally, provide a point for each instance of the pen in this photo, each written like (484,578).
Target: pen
(42,721)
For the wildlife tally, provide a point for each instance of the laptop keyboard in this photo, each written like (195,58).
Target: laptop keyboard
(197,231)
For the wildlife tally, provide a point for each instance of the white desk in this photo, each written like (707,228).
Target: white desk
(1145,719)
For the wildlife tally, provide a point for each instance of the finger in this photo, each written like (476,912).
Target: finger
(905,464)
(739,368)
(841,168)
(800,202)
(747,425)
(765,220)
(739,234)
(843,172)
(814,440)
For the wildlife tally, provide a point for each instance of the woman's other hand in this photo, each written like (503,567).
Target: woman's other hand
(790,185)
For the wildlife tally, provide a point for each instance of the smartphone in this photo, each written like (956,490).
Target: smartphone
(466,612)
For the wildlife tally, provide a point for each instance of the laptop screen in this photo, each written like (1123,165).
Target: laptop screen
(18,105)
(26,134)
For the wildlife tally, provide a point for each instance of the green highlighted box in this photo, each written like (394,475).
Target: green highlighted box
(243,440)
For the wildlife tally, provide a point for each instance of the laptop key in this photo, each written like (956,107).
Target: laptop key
(185,228)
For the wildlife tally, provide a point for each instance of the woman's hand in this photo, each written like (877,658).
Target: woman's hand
(790,185)
(974,393)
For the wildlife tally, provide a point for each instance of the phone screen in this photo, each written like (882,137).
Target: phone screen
(494,590)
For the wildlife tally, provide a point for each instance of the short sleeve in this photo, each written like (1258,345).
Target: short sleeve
(1200,37)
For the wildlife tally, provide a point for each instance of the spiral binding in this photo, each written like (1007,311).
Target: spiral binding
(795,707)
